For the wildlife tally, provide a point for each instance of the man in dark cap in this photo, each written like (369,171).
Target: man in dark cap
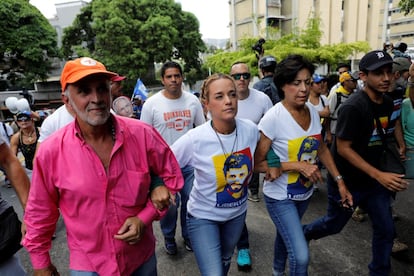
(357,150)
(267,66)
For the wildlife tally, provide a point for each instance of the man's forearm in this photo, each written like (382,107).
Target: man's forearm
(355,159)
(18,179)
(399,136)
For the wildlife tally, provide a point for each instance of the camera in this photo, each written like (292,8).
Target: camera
(258,47)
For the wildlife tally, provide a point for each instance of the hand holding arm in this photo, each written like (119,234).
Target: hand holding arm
(260,159)
(308,170)
(161,197)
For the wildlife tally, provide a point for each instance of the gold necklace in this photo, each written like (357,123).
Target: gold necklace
(221,142)
(29,136)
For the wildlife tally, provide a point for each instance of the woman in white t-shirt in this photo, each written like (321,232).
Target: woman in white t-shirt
(221,152)
(292,129)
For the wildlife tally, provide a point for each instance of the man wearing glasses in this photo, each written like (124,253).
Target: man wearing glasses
(252,105)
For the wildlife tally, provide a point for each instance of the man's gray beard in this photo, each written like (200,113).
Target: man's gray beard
(401,82)
(83,115)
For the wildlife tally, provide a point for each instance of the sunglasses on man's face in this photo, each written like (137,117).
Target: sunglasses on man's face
(238,76)
(23,119)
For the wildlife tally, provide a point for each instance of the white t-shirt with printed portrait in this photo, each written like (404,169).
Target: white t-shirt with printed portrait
(219,192)
(291,143)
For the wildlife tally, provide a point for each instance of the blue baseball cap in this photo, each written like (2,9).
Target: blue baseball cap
(317,78)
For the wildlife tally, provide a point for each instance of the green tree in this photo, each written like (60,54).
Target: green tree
(128,36)
(305,42)
(27,42)
(406,6)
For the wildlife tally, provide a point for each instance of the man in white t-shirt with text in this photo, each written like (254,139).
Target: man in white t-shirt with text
(173,112)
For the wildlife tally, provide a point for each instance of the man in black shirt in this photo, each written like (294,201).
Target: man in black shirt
(357,150)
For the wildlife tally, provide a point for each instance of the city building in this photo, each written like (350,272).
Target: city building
(342,21)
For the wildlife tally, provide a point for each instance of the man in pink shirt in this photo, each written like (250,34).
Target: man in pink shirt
(97,170)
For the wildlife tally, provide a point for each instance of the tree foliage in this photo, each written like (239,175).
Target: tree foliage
(128,36)
(27,41)
(304,42)
(406,6)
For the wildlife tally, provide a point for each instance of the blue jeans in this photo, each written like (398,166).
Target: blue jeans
(149,268)
(243,242)
(12,266)
(290,241)
(214,242)
(376,202)
(169,222)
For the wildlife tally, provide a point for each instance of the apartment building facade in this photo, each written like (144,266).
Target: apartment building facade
(374,21)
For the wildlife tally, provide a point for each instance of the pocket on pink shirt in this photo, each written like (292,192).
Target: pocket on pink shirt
(134,191)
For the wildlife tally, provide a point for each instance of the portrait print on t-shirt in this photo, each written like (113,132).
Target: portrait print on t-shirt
(307,150)
(233,174)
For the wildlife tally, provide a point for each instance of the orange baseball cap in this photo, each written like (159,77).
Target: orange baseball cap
(79,68)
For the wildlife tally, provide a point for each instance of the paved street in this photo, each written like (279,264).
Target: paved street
(347,253)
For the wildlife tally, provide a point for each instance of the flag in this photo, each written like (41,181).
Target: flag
(140,90)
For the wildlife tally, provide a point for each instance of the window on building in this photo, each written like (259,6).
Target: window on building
(273,22)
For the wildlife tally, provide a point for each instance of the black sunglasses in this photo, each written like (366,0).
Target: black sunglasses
(23,119)
(238,76)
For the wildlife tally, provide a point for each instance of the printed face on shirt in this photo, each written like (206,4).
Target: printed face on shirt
(222,100)
(172,82)
(90,99)
(241,75)
(297,91)
(379,80)
(233,174)
(235,179)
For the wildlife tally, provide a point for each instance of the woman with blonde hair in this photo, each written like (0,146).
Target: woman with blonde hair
(221,152)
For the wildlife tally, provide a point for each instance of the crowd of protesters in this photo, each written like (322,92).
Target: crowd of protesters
(137,162)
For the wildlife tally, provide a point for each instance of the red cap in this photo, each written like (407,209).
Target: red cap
(118,78)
